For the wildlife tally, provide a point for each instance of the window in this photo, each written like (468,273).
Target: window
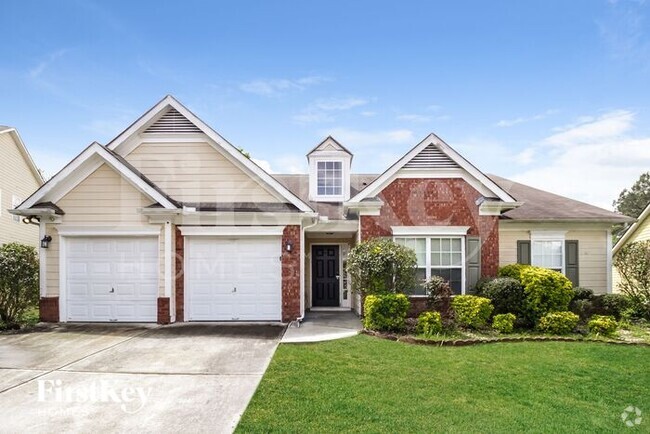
(15,201)
(548,254)
(438,256)
(329,178)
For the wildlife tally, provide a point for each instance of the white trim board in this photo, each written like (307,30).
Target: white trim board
(237,231)
(400,231)
(96,231)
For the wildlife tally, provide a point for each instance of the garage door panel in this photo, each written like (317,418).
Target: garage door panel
(217,265)
(112,279)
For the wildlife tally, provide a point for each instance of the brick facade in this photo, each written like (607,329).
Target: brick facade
(179,279)
(436,202)
(48,309)
(291,273)
(163,310)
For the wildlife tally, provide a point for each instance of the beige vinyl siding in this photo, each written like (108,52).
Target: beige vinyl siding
(16,178)
(196,172)
(592,251)
(642,233)
(103,199)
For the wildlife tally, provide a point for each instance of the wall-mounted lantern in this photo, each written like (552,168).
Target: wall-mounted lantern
(289,246)
(45,242)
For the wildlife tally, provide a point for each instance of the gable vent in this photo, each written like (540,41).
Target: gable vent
(173,122)
(429,158)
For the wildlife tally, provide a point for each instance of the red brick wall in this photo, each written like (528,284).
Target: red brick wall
(163,310)
(180,276)
(436,202)
(291,274)
(49,309)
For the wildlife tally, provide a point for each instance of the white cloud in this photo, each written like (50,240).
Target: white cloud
(524,119)
(263,164)
(335,104)
(289,163)
(275,87)
(624,31)
(414,118)
(360,138)
(39,69)
(591,161)
(321,110)
(368,114)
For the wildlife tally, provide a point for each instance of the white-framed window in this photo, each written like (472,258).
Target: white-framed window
(329,178)
(442,256)
(547,250)
(15,201)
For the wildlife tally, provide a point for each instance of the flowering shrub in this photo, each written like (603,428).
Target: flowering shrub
(604,325)
(471,311)
(386,312)
(558,323)
(429,323)
(504,323)
(380,266)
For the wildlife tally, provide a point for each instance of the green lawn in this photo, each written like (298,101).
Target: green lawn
(364,384)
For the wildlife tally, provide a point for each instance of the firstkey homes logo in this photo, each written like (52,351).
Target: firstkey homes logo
(631,416)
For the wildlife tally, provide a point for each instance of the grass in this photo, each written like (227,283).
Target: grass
(29,318)
(364,384)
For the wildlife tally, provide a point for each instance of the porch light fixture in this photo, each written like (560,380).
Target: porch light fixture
(45,242)
(289,246)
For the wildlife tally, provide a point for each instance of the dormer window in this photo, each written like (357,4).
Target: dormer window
(329,172)
(330,178)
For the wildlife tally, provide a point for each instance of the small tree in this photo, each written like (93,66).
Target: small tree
(380,266)
(18,281)
(632,202)
(633,264)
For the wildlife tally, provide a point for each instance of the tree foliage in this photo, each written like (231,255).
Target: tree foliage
(380,266)
(18,281)
(633,264)
(632,202)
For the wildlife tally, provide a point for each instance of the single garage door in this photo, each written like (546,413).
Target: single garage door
(112,279)
(234,279)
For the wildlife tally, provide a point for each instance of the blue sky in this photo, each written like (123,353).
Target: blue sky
(555,94)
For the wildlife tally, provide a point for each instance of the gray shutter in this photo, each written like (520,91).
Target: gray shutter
(571,261)
(523,252)
(472,262)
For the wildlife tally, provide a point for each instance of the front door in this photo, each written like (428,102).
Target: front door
(325,276)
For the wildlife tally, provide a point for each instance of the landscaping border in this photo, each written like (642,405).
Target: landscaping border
(467,342)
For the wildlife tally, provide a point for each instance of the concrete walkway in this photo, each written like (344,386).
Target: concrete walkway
(323,326)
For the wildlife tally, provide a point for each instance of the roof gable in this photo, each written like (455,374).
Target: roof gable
(167,108)
(24,152)
(642,222)
(330,144)
(432,154)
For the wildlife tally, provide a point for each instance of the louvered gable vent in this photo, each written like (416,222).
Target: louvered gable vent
(431,158)
(173,122)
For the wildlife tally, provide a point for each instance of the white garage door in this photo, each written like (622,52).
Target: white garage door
(234,279)
(112,279)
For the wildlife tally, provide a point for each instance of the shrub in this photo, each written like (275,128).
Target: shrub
(429,323)
(507,295)
(558,323)
(380,266)
(611,304)
(546,291)
(504,322)
(439,295)
(18,281)
(386,312)
(479,288)
(633,264)
(581,293)
(513,271)
(604,325)
(471,311)
(583,308)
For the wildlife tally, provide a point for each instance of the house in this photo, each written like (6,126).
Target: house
(169,222)
(639,231)
(19,177)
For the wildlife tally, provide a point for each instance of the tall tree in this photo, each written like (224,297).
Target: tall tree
(632,202)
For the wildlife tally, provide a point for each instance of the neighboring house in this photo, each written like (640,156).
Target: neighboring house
(639,231)
(169,222)
(19,178)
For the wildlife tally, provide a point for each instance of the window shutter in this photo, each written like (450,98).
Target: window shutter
(472,262)
(523,252)
(571,268)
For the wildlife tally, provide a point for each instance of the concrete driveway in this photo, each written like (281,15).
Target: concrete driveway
(83,378)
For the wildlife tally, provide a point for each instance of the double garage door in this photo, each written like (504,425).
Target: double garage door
(226,279)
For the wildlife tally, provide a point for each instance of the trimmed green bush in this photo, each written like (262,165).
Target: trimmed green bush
(513,271)
(386,312)
(479,288)
(581,293)
(604,325)
(546,291)
(439,295)
(558,323)
(471,311)
(429,323)
(611,304)
(507,295)
(504,322)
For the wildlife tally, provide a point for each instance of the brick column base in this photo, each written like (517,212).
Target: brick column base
(291,274)
(49,309)
(163,310)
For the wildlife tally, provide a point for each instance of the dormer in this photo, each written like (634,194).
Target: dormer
(329,172)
